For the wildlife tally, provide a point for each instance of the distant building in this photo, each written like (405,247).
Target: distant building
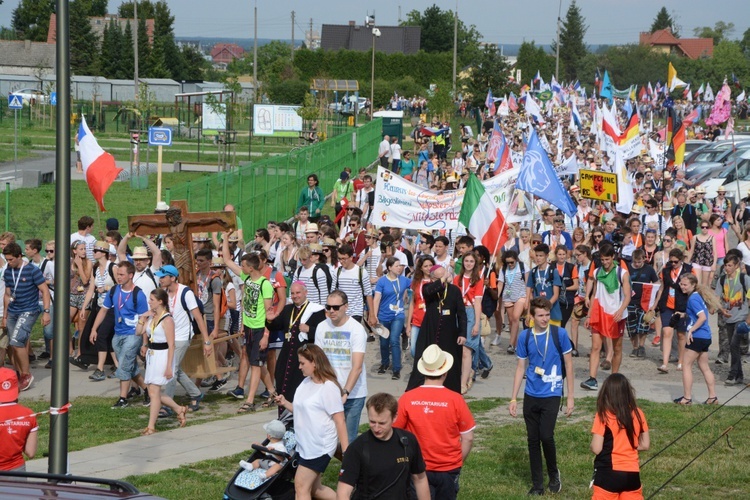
(224,53)
(312,39)
(98,24)
(393,39)
(26,58)
(665,42)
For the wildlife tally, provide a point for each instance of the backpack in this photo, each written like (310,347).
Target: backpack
(366,462)
(643,224)
(135,296)
(554,333)
(326,271)
(723,280)
(361,279)
(223,307)
(111,272)
(195,330)
(564,293)
(150,274)
(42,268)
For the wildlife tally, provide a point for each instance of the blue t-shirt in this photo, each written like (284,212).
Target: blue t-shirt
(391,297)
(695,305)
(542,283)
(23,284)
(549,384)
(126,315)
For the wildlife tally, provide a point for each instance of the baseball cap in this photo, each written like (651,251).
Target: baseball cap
(8,385)
(168,270)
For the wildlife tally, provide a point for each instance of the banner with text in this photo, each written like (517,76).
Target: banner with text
(403,204)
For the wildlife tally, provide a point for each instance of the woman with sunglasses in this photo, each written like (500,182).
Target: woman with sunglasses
(672,301)
(319,421)
(524,247)
(390,297)
(703,253)
(286,259)
(512,293)
(684,235)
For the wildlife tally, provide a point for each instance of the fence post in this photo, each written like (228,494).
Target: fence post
(224,190)
(7,207)
(188,194)
(239,186)
(168,196)
(208,196)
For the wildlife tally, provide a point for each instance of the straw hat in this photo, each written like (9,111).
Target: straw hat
(329,242)
(140,253)
(434,361)
(316,248)
(312,228)
(217,262)
(666,206)
(721,189)
(200,237)
(102,246)
(234,237)
(648,318)
(371,232)
(636,209)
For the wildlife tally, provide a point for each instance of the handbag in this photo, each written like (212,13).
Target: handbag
(484,326)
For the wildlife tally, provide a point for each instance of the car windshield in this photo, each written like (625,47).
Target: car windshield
(712,155)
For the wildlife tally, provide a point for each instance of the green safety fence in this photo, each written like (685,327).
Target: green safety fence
(268,189)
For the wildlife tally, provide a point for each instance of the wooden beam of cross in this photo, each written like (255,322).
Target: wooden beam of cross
(181,224)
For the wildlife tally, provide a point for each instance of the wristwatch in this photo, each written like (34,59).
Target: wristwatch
(345,392)
(46,310)
(206,343)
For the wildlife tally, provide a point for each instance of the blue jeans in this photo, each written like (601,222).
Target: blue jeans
(479,358)
(413,339)
(49,330)
(391,347)
(352,414)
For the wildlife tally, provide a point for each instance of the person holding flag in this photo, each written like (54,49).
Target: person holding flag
(645,285)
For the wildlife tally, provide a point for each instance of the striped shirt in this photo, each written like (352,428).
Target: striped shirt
(348,281)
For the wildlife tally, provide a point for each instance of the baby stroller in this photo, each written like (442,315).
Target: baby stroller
(280,486)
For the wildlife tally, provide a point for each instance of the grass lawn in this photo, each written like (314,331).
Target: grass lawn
(498,465)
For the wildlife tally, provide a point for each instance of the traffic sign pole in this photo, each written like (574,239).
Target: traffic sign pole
(15,144)
(160,137)
(158,175)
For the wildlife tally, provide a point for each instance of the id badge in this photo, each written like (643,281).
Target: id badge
(446,312)
(539,371)
(394,307)
(542,293)
(671,292)
(422,306)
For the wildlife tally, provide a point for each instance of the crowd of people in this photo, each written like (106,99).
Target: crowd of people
(298,302)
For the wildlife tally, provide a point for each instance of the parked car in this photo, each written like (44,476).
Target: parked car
(30,95)
(20,485)
(347,107)
(723,166)
(693,144)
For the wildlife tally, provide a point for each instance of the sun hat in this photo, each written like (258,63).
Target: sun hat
(311,228)
(140,253)
(329,242)
(8,385)
(275,429)
(102,246)
(434,362)
(316,248)
(200,237)
(218,262)
(168,270)
(234,237)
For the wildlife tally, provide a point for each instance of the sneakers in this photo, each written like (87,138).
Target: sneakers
(555,485)
(641,352)
(533,492)
(97,376)
(44,355)
(146,399)
(634,353)
(590,384)
(574,353)
(486,372)
(208,382)
(732,381)
(246,465)
(218,385)
(265,394)
(511,350)
(396,376)
(48,366)
(404,342)
(382,369)
(133,392)
(237,393)
(121,403)
(25,382)
(657,341)
(496,340)
(721,361)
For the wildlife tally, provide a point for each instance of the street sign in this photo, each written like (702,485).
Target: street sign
(15,101)
(597,185)
(53,98)
(160,136)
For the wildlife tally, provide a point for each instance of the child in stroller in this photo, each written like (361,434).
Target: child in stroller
(270,463)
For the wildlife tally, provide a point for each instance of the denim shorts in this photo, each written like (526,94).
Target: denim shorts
(126,349)
(19,327)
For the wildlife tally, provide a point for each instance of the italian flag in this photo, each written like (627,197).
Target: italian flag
(481,217)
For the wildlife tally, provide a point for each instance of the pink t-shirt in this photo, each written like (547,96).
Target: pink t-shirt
(720,237)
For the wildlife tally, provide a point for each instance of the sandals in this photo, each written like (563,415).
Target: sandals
(247,408)
(148,431)
(165,412)
(270,402)
(663,369)
(182,416)
(197,405)
(711,401)
(682,400)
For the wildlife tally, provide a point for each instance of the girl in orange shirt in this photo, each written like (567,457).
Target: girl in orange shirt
(471,284)
(415,316)
(619,432)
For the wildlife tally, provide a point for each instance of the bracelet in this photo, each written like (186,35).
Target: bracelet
(513,401)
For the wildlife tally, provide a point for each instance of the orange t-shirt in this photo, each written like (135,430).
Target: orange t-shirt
(617,452)
(419,305)
(468,291)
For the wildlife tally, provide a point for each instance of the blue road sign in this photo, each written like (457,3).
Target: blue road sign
(160,136)
(53,98)
(15,101)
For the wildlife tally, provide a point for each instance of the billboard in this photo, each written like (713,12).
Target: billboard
(275,120)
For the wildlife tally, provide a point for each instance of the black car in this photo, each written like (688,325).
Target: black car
(28,485)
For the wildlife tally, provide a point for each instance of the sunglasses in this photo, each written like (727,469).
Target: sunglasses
(326,249)
(673,262)
(510,262)
(598,236)
(667,240)
(352,225)
(50,250)
(704,227)
(332,307)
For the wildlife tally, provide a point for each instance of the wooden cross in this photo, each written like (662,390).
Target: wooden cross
(181,224)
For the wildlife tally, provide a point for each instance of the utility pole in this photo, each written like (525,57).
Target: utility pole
(135,40)
(399,14)
(255,53)
(455,48)
(557,45)
(292,37)
(311,35)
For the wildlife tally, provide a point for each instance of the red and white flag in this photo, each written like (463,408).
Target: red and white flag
(99,167)
(648,297)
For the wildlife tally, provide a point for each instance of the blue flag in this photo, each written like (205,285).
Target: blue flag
(606,91)
(538,177)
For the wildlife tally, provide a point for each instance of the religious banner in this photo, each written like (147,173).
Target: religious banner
(658,153)
(403,204)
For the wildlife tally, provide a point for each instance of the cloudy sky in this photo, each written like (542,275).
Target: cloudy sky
(499,21)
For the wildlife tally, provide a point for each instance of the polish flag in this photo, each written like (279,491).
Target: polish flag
(99,167)
(648,297)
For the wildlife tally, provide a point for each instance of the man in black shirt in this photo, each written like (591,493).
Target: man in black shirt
(642,279)
(382,462)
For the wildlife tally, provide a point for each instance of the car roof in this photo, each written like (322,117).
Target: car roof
(22,485)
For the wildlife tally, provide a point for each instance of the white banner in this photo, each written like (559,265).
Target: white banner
(658,153)
(569,166)
(632,148)
(403,204)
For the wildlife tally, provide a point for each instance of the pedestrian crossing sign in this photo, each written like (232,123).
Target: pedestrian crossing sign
(15,101)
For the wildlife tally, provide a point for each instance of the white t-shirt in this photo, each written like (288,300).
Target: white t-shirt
(396,151)
(49,275)
(90,241)
(313,406)
(384,148)
(182,326)
(401,256)
(142,280)
(339,343)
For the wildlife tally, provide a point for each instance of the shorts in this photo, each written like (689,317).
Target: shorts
(319,464)
(699,345)
(76,300)
(699,267)
(666,317)
(635,321)
(19,327)
(255,355)
(602,494)
(276,340)
(126,348)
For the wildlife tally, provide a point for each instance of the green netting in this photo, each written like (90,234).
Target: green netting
(268,189)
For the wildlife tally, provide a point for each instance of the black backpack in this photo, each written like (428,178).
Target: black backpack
(194,330)
(326,271)
(135,296)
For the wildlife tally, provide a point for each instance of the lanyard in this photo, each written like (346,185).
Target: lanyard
(120,302)
(299,315)
(16,279)
(154,324)
(396,289)
(509,278)
(544,277)
(546,344)
(445,294)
